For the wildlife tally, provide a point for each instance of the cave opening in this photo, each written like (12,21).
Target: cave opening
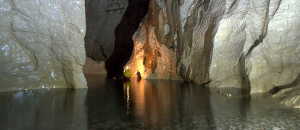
(111,25)
(133,16)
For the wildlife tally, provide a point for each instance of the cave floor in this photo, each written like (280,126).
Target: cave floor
(140,105)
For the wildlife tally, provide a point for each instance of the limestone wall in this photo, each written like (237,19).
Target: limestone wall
(42,44)
(247,44)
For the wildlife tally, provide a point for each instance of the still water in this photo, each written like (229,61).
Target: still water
(167,105)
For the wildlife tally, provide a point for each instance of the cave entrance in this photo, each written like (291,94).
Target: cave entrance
(111,25)
(124,32)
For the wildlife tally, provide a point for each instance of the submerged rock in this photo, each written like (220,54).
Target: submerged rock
(245,44)
(41,44)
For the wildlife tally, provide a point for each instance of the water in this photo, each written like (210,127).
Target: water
(167,105)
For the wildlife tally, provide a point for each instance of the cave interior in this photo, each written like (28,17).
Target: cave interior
(123,33)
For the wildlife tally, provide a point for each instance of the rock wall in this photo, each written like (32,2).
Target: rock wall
(102,17)
(152,56)
(123,45)
(247,44)
(41,44)
(92,67)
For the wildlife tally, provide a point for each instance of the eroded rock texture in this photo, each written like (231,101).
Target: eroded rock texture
(152,56)
(247,44)
(123,44)
(102,16)
(41,44)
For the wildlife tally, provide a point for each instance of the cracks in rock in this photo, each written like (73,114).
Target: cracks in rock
(206,4)
(246,89)
(233,6)
(264,31)
(242,60)
(14,7)
(29,50)
(208,50)
(276,9)
(276,89)
(242,66)
(255,44)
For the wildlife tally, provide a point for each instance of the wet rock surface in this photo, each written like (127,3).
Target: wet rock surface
(244,44)
(41,44)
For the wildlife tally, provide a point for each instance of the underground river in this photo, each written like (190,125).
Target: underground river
(160,104)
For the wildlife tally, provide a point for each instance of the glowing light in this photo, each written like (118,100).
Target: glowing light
(136,66)
(140,67)
(126,87)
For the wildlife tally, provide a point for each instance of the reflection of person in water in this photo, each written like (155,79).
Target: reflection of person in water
(139,77)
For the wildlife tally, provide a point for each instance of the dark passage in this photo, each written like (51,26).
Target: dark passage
(133,16)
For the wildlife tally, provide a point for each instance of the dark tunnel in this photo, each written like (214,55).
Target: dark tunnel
(134,14)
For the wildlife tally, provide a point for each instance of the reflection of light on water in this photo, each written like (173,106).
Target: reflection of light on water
(128,99)
(139,92)
(127,94)
(150,103)
(134,92)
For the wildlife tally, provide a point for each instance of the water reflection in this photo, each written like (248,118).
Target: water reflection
(163,103)
(176,105)
(140,105)
(43,110)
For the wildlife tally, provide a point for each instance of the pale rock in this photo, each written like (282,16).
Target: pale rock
(249,45)
(42,44)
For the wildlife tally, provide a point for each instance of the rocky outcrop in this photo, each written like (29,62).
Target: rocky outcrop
(152,56)
(102,18)
(41,44)
(246,44)
(151,59)
(183,34)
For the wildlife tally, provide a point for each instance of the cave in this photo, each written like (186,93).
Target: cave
(124,32)
(149,64)
(120,45)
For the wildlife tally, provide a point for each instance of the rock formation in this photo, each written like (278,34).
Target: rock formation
(246,44)
(123,44)
(102,18)
(41,44)
(249,45)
